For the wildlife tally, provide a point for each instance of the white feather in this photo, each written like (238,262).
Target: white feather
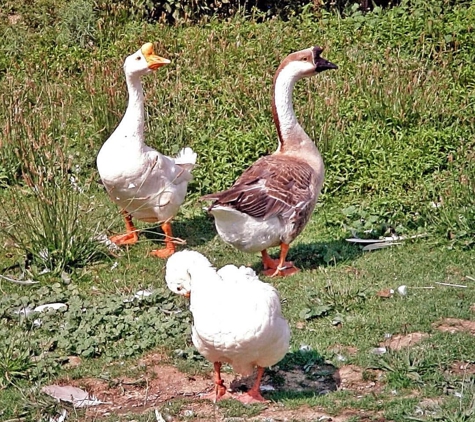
(147,184)
(237,317)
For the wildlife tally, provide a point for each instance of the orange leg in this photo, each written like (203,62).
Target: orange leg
(280,267)
(220,391)
(169,245)
(130,236)
(254,395)
(268,262)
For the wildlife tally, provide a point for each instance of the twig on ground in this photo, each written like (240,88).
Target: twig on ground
(450,285)
(23,282)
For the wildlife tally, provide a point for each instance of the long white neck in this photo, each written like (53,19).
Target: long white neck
(132,125)
(291,135)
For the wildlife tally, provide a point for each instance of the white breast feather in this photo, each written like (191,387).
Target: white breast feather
(248,329)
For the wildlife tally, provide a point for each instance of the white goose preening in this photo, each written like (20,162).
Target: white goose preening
(248,332)
(272,201)
(146,185)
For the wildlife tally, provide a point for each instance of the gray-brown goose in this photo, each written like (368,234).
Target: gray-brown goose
(272,201)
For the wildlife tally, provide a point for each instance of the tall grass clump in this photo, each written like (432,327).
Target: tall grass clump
(78,24)
(455,216)
(48,213)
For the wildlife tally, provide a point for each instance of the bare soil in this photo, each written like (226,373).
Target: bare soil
(400,341)
(161,383)
(453,325)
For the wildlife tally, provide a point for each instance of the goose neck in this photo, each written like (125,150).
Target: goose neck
(133,120)
(289,131)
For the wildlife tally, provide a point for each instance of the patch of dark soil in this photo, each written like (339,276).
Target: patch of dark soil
(352,377)
(462,368)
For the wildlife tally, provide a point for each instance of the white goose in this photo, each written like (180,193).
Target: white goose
(249,332)
(272,201)
(146,185)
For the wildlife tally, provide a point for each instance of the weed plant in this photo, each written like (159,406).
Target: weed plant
(48,213)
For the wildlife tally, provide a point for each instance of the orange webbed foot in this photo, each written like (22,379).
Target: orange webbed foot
(286,270)
(278,267)
(163,253)
(251,397)
(220,393)
(125,239)
(268,262)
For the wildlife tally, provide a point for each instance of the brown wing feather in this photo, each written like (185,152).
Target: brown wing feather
(273,186)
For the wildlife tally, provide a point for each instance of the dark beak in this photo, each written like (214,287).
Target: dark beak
(322,64)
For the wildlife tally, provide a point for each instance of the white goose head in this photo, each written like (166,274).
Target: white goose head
(304,63)
(143,61)
(180,267)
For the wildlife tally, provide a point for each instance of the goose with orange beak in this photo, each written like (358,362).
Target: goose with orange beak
(145,184)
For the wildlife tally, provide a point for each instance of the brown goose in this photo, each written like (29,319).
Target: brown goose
(272,201)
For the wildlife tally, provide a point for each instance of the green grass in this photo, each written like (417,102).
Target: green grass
(395,125)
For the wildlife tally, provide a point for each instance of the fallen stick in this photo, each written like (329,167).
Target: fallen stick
(451,285)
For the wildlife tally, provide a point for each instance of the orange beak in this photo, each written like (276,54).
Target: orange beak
(153,61)
(188,294)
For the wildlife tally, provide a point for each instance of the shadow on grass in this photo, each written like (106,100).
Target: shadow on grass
(300,374)
(200,229)
(195,231)
(312,255)
(308,256)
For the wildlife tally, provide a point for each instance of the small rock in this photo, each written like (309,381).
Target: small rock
(402,290)
(50,306)
(73,362)
(385,293)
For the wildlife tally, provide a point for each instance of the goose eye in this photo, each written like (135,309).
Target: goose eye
(178,289)
(304,59)
(138,58)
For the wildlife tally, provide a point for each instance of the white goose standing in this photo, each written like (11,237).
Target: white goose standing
(250,332)
(272,201)
(146,185)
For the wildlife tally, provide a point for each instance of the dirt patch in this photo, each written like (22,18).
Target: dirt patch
(274,412)
(400,341)
(14,19)
(355,271)
(158,383)
(454,325)
(340,349)
(429,407)
(352,377)
(462,368)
